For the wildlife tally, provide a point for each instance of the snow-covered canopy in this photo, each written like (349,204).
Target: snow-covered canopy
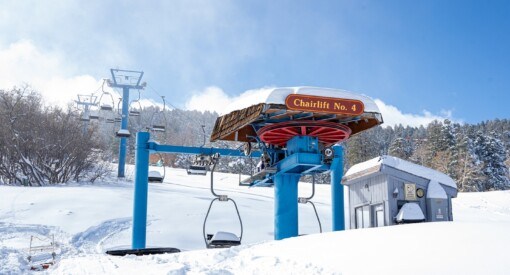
(278,95)
(400,164)
(435,191)
(410,212)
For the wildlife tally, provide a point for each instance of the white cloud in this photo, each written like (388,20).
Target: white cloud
(211,99)
(393,116)
(47,72)
(215,99)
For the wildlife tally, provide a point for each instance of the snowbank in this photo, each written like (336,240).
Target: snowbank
(88,219)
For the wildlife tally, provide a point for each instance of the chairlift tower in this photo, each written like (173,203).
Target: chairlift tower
(126,80)
(86,101)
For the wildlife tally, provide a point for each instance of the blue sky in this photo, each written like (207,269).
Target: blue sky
(432,59)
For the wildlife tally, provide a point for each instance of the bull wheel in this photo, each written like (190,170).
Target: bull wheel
(328,133)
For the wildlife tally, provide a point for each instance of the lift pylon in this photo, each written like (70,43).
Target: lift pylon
(126,80)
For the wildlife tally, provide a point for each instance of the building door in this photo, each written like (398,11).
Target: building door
(379,215)
(363,217)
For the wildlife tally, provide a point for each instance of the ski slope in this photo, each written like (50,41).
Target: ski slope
(87,219)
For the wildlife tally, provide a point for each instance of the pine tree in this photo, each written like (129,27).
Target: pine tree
(491,154)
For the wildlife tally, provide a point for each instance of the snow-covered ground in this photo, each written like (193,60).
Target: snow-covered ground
(86,220)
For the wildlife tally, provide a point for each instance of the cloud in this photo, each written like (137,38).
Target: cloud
(215,99)
(47,72)
(393,116)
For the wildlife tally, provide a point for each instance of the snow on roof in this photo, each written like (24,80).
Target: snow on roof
(278,95)
(402,165)
(435,191)
(410,212)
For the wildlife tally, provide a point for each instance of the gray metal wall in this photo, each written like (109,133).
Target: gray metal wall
(365,191)
(396,179)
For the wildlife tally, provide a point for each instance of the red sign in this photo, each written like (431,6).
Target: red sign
(319,104)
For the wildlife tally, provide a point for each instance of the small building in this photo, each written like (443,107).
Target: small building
(387,190)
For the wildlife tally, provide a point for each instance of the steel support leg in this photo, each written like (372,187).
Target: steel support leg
(285,206)
(123,125)
(337,190)
(141,189)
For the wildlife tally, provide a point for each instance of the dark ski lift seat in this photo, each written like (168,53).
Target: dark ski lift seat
(135,112)
(199,165)
(221,239)
(197,170)
(94,116)
(123,133)
(106,106)
(110,120)
(155,176)
(158,128)
(158,119)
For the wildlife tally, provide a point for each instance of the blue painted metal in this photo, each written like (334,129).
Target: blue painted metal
(141,190)
(123,125)
(199,150)
(303,144)
(337,190)
(285,205)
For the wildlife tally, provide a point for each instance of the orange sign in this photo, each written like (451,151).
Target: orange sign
(321,104)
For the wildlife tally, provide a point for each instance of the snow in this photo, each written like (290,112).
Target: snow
(278,95)
(402,165)
(410,212)
(436,191)
(89,219)
(224,236)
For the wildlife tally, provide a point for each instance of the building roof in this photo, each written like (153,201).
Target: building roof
(241,120)
(375,164)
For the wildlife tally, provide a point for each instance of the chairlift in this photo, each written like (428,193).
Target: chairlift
(135,112)
(110,120)
(94,115)
(221,239)
(158,119)
(106,104)
(123,133)
(199,165)
(154,175)
(85,116)
(305,200)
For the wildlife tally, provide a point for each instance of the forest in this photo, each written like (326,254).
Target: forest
(42,144)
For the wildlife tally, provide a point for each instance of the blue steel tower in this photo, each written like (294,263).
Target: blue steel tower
(126,80)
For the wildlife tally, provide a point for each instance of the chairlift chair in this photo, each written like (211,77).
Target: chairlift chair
(94,115)
(123,133)
(108,105)
(135,112)
(158,119)
(199,165)
(155,176)
(220,239)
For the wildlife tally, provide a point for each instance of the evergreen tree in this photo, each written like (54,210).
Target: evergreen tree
(491,154)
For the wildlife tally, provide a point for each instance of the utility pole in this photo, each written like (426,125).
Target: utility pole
(126,80)
(86,101)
